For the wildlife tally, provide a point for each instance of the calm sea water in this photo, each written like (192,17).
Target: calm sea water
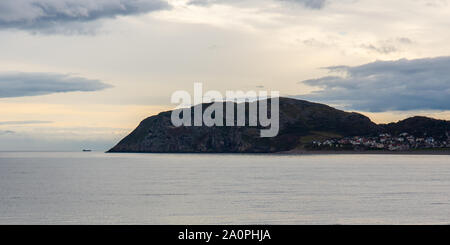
(99,188)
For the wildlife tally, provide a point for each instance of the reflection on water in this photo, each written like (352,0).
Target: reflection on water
(98,188)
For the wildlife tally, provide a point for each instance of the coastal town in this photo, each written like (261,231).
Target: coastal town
(384,141)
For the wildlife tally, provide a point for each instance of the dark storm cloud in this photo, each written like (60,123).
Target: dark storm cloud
(19,84)
(387,85)
(60,15)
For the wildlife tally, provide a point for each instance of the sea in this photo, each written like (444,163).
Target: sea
(129,188)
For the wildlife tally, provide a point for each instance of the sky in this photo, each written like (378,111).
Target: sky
(80,74)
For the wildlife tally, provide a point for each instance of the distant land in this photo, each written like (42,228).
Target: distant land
(305,127)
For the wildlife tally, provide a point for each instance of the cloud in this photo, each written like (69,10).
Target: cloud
(19,84)
(387,85)
(388,46)
(201,2)
(312,4)
(312,42)
(49,16)
(404,40)
(23,122)
(436,3)
(383,49)
(206,3)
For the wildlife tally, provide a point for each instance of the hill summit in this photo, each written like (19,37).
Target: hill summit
(300,123)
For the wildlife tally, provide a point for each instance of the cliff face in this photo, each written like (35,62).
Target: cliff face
(300,121)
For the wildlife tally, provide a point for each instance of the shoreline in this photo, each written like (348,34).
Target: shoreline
(368,152)
(307,152)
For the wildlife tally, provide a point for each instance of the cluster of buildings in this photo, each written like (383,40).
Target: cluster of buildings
(401,142)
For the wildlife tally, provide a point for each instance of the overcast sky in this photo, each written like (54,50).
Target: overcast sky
(81,74)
